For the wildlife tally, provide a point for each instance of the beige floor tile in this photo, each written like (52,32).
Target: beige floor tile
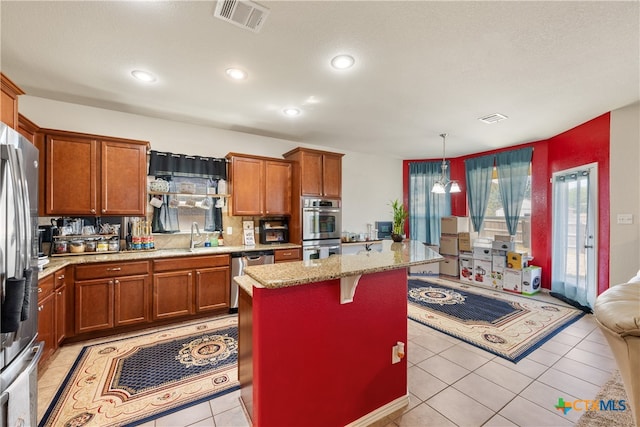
(186,417)
(569,384)
(596,335)
(547,397)
(566,339)
(525,413)
(526,366)
(597,361)
(449,403)
(580,370)
(433,343)
(544,357)
(556,347)
(208,422)
(504,377)
(422,384)
(225,402)
(423,415)
(601,349)
(461,355)
(416,353)
(443,369)
(232,418)
(484,391)
(498,421)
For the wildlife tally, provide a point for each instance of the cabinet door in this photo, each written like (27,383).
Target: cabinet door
(132,300)
(246,189)
(277,188)
(172,294)
(60,298)
(212,289)
(94,305)
(311,170)
(9,101)
(46,317)
(123,178)
(71,172)
(332,175)
(287,255)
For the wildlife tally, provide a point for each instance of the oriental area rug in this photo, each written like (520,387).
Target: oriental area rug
(137,379)
(507,325)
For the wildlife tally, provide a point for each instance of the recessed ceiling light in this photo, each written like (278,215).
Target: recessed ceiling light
(236,73)
(143,76)
(342,62)
(291,112)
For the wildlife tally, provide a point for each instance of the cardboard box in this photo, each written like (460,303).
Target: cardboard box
(497,278)
(481,272)
(449,245)
(466,268)
(512,280)
(482,252)
(454,224)
(431,269)
(516,260)
(503,246)
(449,266)
(498,260)
(531,280)
(465,241)
(503,238)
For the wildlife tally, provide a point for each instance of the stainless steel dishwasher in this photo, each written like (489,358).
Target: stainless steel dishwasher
(240,260)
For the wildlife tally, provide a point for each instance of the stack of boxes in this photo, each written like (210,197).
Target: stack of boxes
(450,229)
(431,269)
(493,263)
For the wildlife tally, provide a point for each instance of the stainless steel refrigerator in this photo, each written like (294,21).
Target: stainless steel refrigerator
(19,348)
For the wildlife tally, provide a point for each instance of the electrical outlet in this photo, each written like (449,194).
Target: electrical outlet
(229,231)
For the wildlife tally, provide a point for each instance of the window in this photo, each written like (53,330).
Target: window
(494,222)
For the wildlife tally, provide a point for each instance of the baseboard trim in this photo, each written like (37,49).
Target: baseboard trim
(381,412)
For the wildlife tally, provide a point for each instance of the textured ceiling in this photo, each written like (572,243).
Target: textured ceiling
(422,67)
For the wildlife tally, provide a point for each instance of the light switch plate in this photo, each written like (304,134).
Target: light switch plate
(229,231)
(625,219)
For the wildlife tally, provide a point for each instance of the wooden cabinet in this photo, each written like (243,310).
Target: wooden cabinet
(287,255)
(260,185)
(9,101)
(110,295)
(31,131)
(52,312)
(320,172)
(92,175)
(188,286)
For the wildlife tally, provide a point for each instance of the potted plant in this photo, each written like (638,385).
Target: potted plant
(400,214)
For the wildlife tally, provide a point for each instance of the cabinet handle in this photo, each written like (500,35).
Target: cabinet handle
(117,282)
(198,273)
(61,277)
(59,293)
(39,290)
(189,274)
(104,211)
(286,254)
(111,282)
(114,268)
(93,211)
(40,307)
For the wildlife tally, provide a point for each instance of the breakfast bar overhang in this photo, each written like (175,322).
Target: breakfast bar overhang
(319,339)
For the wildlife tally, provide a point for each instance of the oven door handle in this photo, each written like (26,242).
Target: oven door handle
(321,210)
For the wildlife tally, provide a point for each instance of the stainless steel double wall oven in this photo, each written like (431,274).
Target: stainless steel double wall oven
(321,227)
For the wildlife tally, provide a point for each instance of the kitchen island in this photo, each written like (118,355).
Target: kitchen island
(318,338)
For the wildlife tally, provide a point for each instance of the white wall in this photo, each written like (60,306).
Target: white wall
(625,193)
(368,182)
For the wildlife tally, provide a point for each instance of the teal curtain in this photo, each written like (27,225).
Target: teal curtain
(426,208)
(479,171)
(513,174)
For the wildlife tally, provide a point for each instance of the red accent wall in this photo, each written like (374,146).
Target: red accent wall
(584,144)
(317,362)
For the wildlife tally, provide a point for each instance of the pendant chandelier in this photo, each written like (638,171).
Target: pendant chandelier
(440,186)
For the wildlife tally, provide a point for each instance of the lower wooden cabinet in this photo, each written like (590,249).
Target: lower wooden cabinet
(52,312)
(188,286)
(110,295)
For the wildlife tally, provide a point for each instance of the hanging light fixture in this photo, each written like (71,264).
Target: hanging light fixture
(440,186)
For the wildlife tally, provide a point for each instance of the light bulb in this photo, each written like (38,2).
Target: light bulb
(455,188)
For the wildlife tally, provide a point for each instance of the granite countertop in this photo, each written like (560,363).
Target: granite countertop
(393,256)
(57,262)
(362,242)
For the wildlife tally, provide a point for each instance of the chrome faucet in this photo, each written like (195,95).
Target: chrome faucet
(192,243)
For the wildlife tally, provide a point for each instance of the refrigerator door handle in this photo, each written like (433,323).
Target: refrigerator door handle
(17,180)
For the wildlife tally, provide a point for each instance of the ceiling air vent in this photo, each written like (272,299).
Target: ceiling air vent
(493,118)
(244,14)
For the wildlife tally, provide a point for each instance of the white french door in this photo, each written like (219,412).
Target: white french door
(575,230)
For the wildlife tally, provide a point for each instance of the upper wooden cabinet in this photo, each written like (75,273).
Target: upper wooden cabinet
(259,185)
(320,172)
(93,175)
(9,101)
